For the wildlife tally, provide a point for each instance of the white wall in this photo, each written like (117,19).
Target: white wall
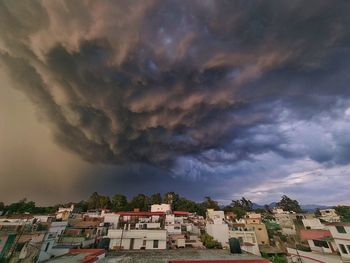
(139,237)
(219,232)
(161,208)
(313,223)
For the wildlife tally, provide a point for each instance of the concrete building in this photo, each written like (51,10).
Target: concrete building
(247,239)
(313,223)
(285,221)
(341,234)
(47,249)
(260,232)
(110,218)
(217,227)
(298,256)
(139,230)
(329,215)
(165,208)
(319,240)
(130,239)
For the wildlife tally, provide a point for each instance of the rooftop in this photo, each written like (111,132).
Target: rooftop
(180,255)
(315,234)
(133,213)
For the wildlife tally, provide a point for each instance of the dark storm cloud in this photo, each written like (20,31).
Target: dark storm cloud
(157,81)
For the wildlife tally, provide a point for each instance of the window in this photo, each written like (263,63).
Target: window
(144,243)
(47,246)
(259,229)
(320,243)
(155,243)
(341,229)
(343,249)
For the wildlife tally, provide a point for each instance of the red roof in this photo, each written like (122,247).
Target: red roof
(185,213)
(132,213)
(314,234)
(220,261)
(91,257)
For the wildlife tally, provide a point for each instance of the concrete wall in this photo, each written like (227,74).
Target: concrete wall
(260,232)
(311,257)
(219,232)
(142,238)
(313,223)
(247,237)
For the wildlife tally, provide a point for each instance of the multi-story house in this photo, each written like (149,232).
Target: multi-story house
(247,238)
(139,230)
(341,234)
(217,227)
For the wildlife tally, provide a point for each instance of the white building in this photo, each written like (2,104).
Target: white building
(165,208)
(313,223)
(329,215)
(137,239)
(64,212)
(47,250)
(217,227)
(341,235)
(215,217)
(111,218)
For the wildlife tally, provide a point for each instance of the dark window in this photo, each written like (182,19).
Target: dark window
(343,249)
(47,246)
(320,243)
(259,229)
(308,227)
(155,243)
(341,229)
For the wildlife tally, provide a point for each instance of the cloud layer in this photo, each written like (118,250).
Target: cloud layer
(201,89)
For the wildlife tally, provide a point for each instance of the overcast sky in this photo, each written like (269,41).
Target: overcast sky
(219,98)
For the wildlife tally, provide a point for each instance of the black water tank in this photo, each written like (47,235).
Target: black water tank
(235,247)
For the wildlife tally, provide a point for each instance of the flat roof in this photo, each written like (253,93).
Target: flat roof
(132,213)
(180,255)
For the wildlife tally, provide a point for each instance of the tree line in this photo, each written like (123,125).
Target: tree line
(119,202)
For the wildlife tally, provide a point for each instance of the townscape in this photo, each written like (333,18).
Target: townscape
(115,230)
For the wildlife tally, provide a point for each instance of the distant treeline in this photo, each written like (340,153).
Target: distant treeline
(119,202)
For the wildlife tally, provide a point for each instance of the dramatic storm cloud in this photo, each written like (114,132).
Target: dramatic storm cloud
(228,97)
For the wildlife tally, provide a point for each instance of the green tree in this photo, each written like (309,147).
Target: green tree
(243,204)
(97,201)
(210,203)
(344,212)
(171,198)
(184,204)
(141,202)
(156,199)
(105,202)
(288,204)
(210,242)
(82,206)
(119,203)
(317,213)
(94,201)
